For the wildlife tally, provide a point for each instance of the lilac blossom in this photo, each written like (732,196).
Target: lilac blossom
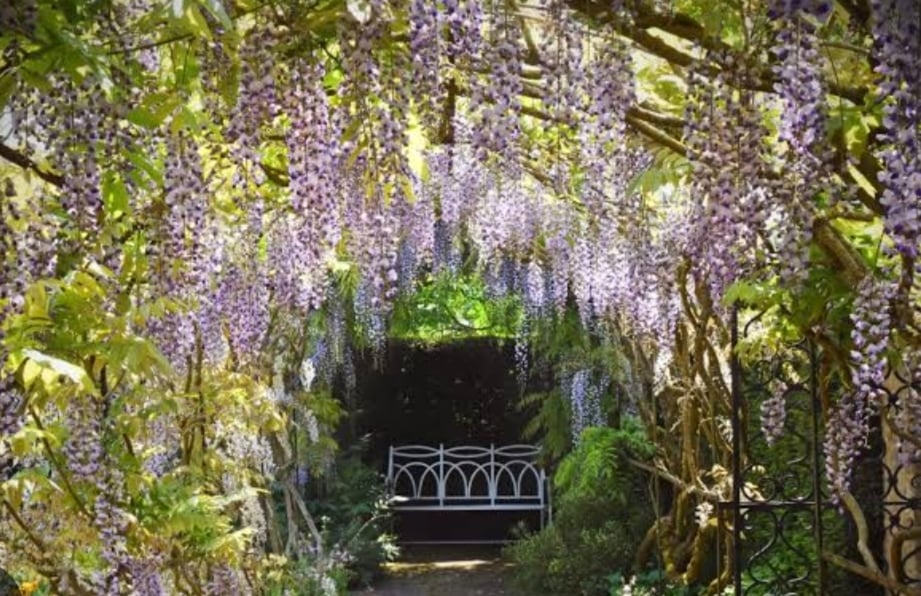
(243,302)
(801,87)
(728,182)
(11,419)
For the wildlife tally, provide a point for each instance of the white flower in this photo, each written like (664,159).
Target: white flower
(308,373)
(703,513)
(328,585)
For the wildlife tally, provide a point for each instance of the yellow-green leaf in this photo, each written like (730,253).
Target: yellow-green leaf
(75,373)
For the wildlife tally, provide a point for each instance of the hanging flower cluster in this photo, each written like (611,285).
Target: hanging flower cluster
(897,36)
(726,136)
(185,203)
(243,302)
(908,409)
(257,102)
(25,256)
(494,97)
(584,393)
(76,120)
(562,50)
(300,242)
(604,150)
(19,17)
(378,93)
(801,87)
(427,46)
(417,233)
(774,414)
(10,406)
(850,422)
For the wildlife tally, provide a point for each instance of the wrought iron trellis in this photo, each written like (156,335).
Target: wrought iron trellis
(780,517)
(901,496)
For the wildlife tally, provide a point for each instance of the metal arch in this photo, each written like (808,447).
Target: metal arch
(417,482)
(456,469)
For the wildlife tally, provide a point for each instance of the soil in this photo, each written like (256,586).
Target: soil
(446,571)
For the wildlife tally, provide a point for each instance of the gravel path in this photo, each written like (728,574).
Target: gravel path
(446,571)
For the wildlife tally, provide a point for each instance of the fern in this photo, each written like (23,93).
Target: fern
(550,425)
(598,466)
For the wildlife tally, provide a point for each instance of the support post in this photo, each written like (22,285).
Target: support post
(818,498)
(441,474)
(736,420)
(492,474)
(543,498)
(390,488)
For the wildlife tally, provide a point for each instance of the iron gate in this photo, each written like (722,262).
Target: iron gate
(784,534)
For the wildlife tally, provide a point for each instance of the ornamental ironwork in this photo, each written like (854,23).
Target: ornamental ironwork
(786,535)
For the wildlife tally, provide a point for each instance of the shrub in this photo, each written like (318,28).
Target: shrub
(351,507)
(601,517)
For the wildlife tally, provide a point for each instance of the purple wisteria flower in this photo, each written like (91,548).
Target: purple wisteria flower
(897,45)
(849,424)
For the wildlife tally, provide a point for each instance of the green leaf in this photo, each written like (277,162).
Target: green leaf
(751,294)
(406,185)
(196,22)
(216,9)
(154,109)
(62,368)
(7,86)
(27,436)
(85,285)
(115,196)
(37,302)
(186,119)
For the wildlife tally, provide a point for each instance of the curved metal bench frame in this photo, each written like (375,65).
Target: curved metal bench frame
(468,478)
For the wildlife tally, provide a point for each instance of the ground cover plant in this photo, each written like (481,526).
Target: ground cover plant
(209,205)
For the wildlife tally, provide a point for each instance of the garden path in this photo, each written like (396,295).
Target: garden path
(446,571)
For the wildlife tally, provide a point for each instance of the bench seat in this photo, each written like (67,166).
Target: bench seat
(467,478)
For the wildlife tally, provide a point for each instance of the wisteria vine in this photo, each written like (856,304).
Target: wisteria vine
(282,179)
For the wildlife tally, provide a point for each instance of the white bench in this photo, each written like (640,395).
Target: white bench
(468,478)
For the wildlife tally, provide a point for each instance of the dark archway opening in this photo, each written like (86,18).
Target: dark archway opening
(462,392)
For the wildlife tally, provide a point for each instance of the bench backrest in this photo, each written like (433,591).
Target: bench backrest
(507,477)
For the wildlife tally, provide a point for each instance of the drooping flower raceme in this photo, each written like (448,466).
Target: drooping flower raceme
(849,424)
(610,91)
(257,102)
(774,414)
(897,37)
(426,46)
(726,135)
(495,97)
(561,51)
(802,90)
(585,394)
